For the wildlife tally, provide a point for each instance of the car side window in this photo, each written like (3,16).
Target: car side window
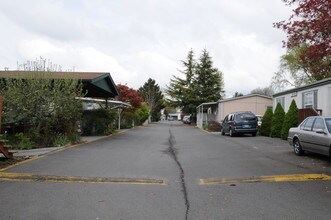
(231,118)
(303,124)
(225,119)
(307,126)
(328,124)
(318,124)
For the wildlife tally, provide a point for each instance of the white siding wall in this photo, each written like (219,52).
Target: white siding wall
(328,101)
(323,99)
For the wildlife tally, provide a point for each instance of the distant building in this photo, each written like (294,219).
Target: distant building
(216,111)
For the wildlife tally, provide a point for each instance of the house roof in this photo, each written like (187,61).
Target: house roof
(235,98)
(245,96)
(305,87)
(96,84)
(207,104)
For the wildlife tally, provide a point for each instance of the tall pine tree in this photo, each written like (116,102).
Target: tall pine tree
(208,82)
(180,90)
(201,83)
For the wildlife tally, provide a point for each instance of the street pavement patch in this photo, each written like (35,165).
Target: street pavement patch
(279,178)
(27,177)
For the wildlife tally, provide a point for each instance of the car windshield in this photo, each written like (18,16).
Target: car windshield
(245,117)
(328,124)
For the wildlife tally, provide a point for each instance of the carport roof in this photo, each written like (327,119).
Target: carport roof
(96,84)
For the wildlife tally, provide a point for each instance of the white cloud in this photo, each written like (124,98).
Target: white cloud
(135,40)
(79,58)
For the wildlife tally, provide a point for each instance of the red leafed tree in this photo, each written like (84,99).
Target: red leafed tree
(129,95)
(310,25)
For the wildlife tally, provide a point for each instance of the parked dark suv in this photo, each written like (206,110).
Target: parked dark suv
(239,123)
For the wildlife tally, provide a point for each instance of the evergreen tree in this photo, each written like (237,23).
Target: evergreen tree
(208,83)
(266,123)
(277,121)
(291,119)
(153,97)
(202,83)
(180,90)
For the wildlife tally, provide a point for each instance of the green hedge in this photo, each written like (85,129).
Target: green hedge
(277,121)
(266,123)
(98,121)
(291,120)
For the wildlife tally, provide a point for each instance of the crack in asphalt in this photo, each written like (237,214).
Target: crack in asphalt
(172,151)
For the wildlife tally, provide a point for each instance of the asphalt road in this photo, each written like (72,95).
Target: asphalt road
(170,171)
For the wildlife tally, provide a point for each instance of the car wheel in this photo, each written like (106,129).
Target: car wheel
(222,131)
(254,134)
(231,132)
(297,147)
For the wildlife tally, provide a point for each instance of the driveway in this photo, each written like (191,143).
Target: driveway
(169,170)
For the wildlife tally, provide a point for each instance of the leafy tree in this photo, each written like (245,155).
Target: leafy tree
(143,113)
(129,95)
(153,97)
(42,103)
(41,65)
(291,119)
(277,121)
(310,28)
(129,116)
(292,71)
(266,123)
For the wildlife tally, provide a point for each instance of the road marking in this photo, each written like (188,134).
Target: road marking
(27,177)
(280,178)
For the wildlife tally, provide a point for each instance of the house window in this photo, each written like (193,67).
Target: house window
(309,99)
(281,101)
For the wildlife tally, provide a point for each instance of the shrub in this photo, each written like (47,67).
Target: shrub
(98,121)
(142,113)
(214,126)
(291,120)
(266,123)
(205,127)
(128,119)
(23,142)
(277,121)
(155,116)
(60,140)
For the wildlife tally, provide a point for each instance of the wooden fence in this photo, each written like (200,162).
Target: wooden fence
(306,112)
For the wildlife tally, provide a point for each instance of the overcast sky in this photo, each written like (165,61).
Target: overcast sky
(139,39)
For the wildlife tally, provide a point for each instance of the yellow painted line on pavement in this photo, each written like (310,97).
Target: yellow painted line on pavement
(280,178)
(28,177)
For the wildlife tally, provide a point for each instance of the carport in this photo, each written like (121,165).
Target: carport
(206,112)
